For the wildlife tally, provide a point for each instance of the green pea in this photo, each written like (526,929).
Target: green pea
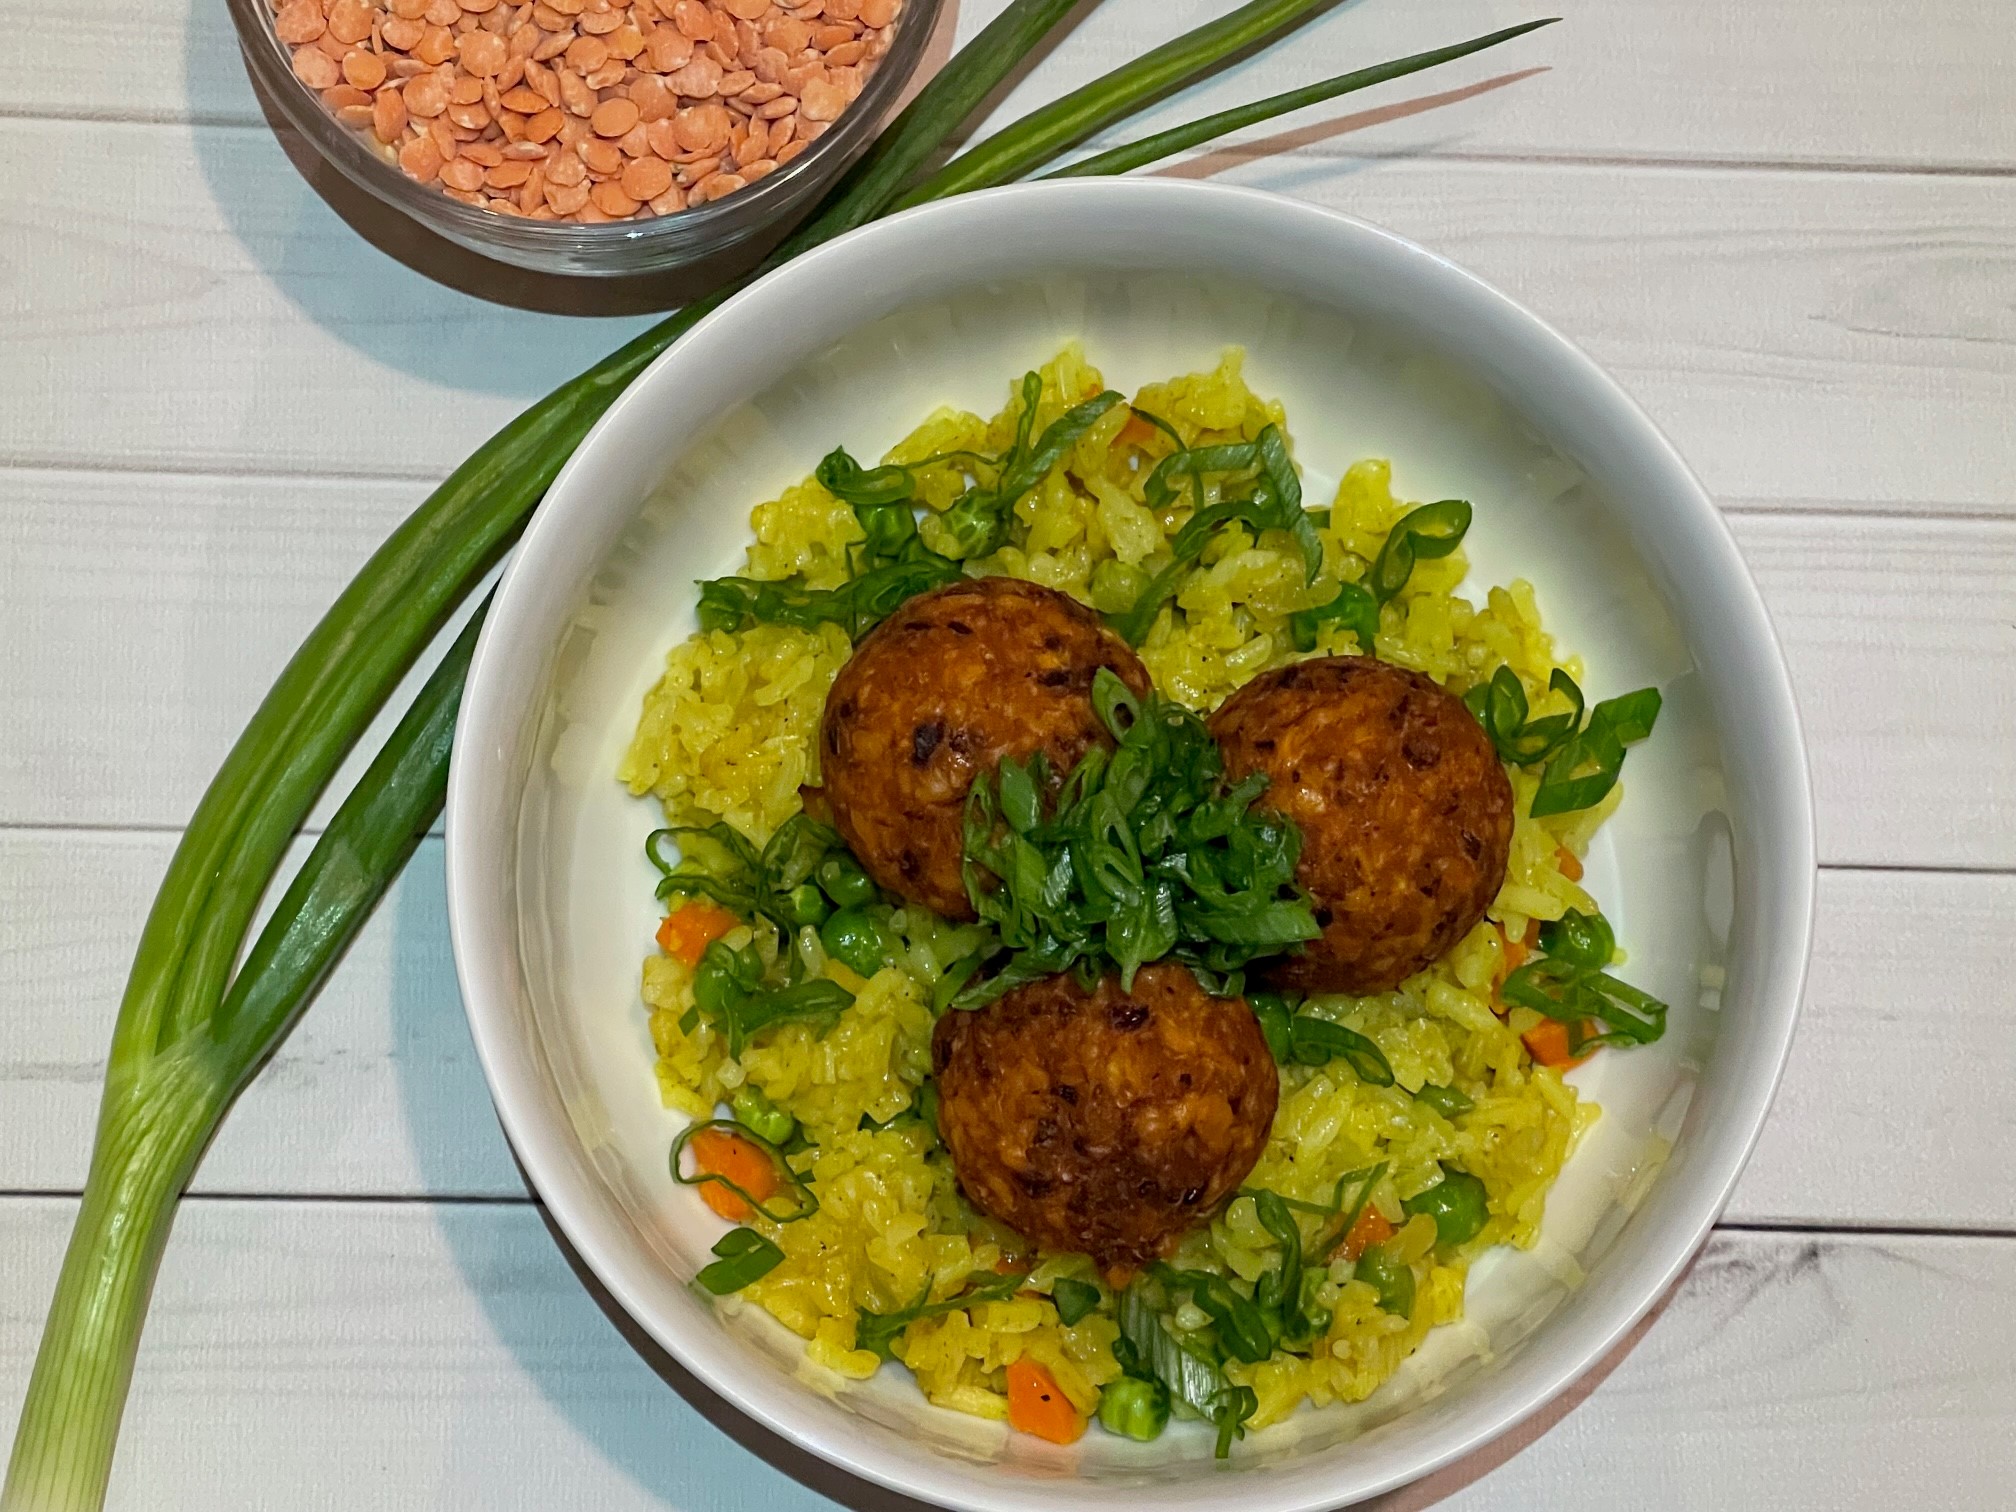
(1392,1279)
(844,881)
(1116,585)
(854,939)
(1134,1409)
(1447,1101)
(760,1116)
(1580,939)
(805,904)
(1457,1205)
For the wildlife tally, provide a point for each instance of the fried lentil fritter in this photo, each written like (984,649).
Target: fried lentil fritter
(1405,812)
(1106,1122)
(942,690)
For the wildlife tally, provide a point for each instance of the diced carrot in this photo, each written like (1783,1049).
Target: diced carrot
(691,927)
(1531,939)
(1570,863)
(1547,1042)
(1510,959)
(1120,1277)
(1136,432)
(748,1165)
(1370,1229)
(1036,1405)
(1008,1265)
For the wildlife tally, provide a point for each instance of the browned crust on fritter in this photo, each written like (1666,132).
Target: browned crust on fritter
(1104,1122)
(1405,812)
(945,688)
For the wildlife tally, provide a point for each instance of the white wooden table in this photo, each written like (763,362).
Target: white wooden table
(1790,229)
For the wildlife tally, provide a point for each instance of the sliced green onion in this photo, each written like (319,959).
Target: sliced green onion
(1073,1299)
(1433,530)
(879,1331)
(1450,1102)
(1581,773)
(1500,706)
(745,1256)
(1148,1350)
(1353,607)
(1579,996)
(806,1201)
(1303,1039)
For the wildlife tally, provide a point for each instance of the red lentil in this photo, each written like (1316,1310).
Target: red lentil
(586,110)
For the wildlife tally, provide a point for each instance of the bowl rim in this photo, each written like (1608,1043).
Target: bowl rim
(1501,1401)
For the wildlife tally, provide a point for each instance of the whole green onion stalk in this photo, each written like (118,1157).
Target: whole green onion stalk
(191,1032)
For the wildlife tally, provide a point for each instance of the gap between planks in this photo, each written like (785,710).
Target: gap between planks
(1243,147)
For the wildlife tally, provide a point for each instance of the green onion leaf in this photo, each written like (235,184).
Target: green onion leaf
(870,488)
(1433,530)
(1580,996)
(1500,706)
(1073,1299)
(977,522)
(746,1256)
(1240,1325)
(1448,1101)
(1582,772)
(805,1201)
(1298,1038)
(1188,1374)
(1631,715)
(1142,854)
(1353,607)
(878,1331)
(1167,144)
(1317,1042)
(729,992)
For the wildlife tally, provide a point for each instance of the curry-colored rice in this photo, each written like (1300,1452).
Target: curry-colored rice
(729,734)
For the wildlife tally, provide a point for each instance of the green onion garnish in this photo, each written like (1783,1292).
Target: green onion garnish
(805,1200)
(1433,530)
(1581,773)
(1581,995)
(1142,854)
(729,992)
(878,1331)
(1303,1039)
(1149,1351)
(1274,502)
(1500,706)
(1073,1299)
(746,1256)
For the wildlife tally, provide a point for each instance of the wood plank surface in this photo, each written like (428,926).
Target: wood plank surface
(376,1359)
(1802,336)
(1767,80)
(379,1093)
(149,614)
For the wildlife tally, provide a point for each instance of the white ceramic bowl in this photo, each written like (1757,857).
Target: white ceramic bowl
(1378,348)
